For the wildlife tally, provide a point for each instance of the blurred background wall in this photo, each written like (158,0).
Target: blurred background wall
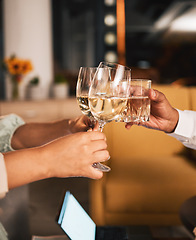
(27,33)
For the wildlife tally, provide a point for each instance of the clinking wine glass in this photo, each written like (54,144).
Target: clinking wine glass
(85,77)
(108,94)
(138,105)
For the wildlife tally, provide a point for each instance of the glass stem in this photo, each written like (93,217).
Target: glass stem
(101,126)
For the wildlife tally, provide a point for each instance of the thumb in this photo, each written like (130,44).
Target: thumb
(156,96)
(96,127)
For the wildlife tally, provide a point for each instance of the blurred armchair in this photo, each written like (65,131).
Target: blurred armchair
(151,173)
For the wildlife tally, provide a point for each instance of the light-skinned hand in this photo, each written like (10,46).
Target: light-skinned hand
(68,156)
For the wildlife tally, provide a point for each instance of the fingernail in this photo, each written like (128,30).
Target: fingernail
(154,94)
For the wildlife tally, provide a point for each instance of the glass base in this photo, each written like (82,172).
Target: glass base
(101,167)
(139,119)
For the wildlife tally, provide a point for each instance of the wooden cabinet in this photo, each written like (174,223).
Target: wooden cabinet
(41,111)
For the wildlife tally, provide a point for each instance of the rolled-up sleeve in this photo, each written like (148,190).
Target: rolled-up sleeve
(8,125)
(3,177)
(186,128)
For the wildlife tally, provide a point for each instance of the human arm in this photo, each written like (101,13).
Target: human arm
(3,177)
(176,123)
(69,156)
(36,134)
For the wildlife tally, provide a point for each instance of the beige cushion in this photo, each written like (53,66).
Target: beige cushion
(178,96)
(138,142)
(149,185)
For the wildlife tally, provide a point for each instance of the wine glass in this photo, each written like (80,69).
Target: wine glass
(138,105)
(85,77)
(108,93)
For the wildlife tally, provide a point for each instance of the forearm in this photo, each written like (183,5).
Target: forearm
(68,156)
(25,166)
(36,134)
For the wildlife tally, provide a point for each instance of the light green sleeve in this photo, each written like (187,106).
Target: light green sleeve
(8,125)
(3,233)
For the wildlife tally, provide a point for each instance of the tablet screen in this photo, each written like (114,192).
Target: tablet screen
(74,220)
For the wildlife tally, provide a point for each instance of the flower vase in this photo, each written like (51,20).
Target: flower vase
(15,91)
(16,79)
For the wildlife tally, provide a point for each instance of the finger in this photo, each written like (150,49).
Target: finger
(96,126)
(94,173)
(101,156)
(91,172)
(98,145)
(93,125)
(152,94)
(87,123)
(128,125)
(96,135)
(156,96)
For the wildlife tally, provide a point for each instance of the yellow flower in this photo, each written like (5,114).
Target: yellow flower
(27,66)
(16,66)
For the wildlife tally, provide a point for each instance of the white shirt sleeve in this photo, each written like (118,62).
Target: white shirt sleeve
(3,177)
(185,131)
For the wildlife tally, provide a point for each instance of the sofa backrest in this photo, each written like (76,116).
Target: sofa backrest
(193,98)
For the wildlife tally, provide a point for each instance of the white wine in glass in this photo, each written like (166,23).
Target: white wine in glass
(85,77)
(108,93)
(138,105)
(107,108)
